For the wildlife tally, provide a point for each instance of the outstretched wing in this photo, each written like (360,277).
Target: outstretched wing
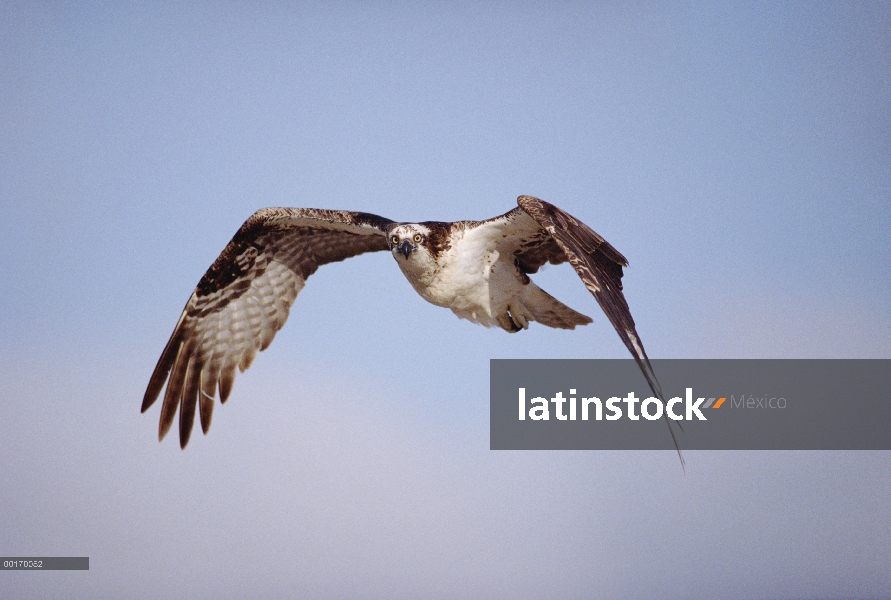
(243,300)
(554,236)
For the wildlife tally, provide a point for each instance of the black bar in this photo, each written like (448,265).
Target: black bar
(45,563)
(787,404)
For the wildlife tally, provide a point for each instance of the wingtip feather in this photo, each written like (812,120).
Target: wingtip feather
(205,412)
(227,379)
(188,402)
(161,372)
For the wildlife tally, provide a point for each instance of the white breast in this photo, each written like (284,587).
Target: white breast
(476,278)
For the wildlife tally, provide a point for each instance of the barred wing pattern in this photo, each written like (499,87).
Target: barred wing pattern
(244,298)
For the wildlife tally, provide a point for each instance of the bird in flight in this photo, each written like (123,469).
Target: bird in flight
(478,269)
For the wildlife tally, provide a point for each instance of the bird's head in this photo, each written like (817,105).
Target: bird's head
(406,240)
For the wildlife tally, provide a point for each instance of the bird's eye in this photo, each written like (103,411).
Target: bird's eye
(417,238)
(395,240)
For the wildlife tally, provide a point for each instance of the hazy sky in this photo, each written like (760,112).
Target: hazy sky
(739,154)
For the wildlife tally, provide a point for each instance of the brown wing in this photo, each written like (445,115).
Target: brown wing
(597,263)
(243,300)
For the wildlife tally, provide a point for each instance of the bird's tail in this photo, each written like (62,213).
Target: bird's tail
(549,311)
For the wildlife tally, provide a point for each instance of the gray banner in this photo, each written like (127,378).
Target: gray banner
(45,563)
(720,405)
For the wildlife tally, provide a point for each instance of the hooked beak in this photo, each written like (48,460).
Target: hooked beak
(405,248)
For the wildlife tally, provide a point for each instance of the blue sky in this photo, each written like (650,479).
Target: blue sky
(738,155)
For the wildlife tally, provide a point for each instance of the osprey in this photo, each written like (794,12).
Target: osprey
(478,269)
